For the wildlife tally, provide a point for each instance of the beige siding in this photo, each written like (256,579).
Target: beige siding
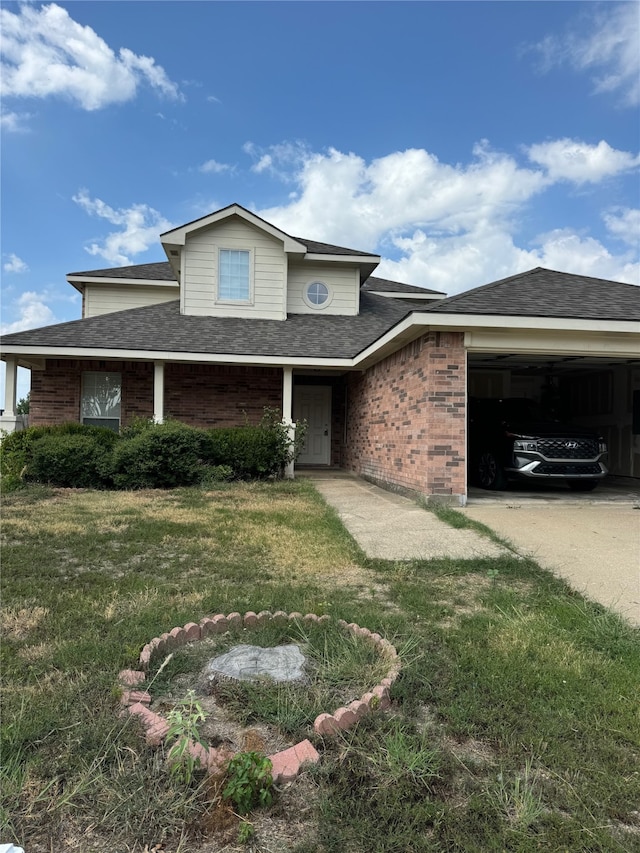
(343,283)
(201,264)
(105,298)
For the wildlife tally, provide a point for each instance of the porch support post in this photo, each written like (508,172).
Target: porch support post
(287,411)
(158,391)
(10,387)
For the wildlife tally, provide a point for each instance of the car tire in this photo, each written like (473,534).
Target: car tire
(490,472)
(582,485)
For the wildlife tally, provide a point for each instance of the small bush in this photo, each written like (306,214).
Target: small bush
(160,456)
(252,452)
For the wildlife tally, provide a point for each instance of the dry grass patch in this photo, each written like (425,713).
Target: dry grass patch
(18,622)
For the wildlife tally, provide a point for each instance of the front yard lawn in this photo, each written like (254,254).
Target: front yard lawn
(514,725)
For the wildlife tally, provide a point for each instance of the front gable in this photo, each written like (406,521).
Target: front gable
(234,264)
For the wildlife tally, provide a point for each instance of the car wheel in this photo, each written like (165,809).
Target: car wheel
(490,473)
(582,485)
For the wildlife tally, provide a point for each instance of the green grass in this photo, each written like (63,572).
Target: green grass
(515,722)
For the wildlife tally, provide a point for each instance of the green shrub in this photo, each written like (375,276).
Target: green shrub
(252,452)
(16,450)
(70,460)
(160,456)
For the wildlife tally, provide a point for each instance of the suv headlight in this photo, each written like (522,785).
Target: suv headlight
(602,446)
(525,444)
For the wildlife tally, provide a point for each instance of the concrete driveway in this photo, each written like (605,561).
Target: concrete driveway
(591,540)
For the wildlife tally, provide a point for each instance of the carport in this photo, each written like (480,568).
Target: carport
(600,392)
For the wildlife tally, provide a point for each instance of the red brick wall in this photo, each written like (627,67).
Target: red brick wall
(213,395)
(201,395)
(406,418)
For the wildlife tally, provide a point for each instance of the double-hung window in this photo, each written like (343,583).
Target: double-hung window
(234,280)
(101,395)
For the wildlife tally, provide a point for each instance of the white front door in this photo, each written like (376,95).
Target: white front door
(312,403)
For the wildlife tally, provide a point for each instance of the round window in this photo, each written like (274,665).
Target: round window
(317,294)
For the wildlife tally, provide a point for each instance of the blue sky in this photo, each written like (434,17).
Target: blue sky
(461,141)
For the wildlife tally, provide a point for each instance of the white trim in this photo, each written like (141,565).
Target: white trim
(344,259)
(178,236)
(418,323)
(190,357)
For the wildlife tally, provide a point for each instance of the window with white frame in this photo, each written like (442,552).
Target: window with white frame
(101,397)
(317,294)
(234,275)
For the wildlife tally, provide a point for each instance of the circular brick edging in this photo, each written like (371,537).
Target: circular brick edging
(287,764)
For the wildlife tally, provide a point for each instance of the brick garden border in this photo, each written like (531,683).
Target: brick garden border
(286,765)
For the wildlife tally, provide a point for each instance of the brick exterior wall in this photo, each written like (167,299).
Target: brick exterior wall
(201,395)
(406,418)
(216,395)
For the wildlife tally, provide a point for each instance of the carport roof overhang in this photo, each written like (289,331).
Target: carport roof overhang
(517,334)
(482,333)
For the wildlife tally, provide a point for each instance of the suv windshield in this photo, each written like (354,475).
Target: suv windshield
(511,409)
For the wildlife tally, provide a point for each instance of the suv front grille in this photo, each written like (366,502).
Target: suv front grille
(568,469)
(568,448)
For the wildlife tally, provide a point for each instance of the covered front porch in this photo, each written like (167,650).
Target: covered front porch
(114,393)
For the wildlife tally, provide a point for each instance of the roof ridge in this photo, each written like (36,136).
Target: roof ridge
(490,286)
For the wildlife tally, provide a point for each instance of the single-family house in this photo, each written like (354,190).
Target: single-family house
(243,316)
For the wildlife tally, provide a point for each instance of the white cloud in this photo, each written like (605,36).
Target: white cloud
(564,249)
(15,264)
(14,122)
(32,312)
(140,227)
(579,162)
(624,223)
(446,227)
(213,167)
(341,198)
(607,47)
(45,53)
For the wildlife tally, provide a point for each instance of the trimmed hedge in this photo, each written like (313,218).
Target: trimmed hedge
(146,455)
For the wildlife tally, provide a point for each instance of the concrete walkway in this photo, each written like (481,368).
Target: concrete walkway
(595,547)
(392,527)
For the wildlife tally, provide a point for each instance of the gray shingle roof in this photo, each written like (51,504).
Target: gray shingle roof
(160,271)
(316,248)
(547,293)
(162,328)
(385,285)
